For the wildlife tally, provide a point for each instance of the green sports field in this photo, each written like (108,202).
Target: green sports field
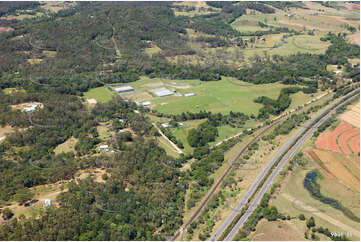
(101,94)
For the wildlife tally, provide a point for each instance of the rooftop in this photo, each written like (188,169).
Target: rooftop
(124,89)
(162,92)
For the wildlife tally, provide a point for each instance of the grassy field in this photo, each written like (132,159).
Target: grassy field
(167,147)
(11,90)
(5,130)
(294,187)
(220,96)
(181,133)
(101,94)
(67,146)
(290,45)
(278,231)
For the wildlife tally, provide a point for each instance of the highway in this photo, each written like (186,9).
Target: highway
(290,147)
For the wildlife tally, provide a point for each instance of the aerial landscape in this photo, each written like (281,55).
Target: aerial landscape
(180,121)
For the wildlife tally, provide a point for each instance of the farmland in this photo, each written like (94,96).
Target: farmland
(221,96)
(352,115)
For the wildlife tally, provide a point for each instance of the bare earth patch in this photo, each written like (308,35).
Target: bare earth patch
(92,101)
(23,105)
(277,231)
(355,38)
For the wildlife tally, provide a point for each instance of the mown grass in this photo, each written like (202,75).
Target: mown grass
(218,97)
(101,94)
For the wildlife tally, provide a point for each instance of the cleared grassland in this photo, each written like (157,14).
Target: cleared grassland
(67,146)
(221,96)
(278,231)
(294,188)
(181,133)
(101,94)
(167,147)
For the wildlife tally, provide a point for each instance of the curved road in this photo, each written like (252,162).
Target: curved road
(291,150)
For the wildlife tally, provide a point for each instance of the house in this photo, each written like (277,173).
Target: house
(30,108)
(166,125)
(162,92)
(104,147)
(121,120)
(146,104)
(338,72)
(47,202)
(189,94)
(124,89)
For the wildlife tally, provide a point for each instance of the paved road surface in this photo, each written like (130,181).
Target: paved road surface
(269,181)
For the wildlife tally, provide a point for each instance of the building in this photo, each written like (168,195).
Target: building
(124,89)
(146,104)
(104,147)
(47,202)
(189,94)
(162,92)
(166,125)
(30,108)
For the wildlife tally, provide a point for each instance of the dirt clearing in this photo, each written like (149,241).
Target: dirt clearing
(328,141)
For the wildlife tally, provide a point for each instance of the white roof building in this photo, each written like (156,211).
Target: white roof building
(146,104)
(189,94)
(103,147)
(47,202)
(30,108)
(124,89)
(162,92)
(165,125)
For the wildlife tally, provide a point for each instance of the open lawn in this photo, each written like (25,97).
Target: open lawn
(101,94)
(221,96)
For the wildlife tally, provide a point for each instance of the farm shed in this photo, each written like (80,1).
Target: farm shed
(124,89)
(189,94)
(30,108)
(162,92)
(103,147)
(146,104)
(47,202)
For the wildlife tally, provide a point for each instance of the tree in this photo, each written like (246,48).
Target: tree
(301,217)
(7,213)
(311,222)
(23,195)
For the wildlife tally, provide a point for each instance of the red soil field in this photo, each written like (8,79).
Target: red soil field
(6,29)
(355,144)
(344,139)
(327,140)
